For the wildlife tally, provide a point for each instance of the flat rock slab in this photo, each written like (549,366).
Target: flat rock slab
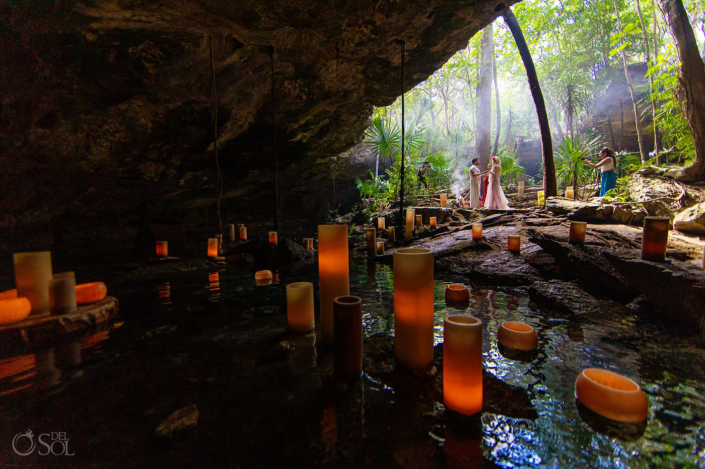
(564,297)
(691,220)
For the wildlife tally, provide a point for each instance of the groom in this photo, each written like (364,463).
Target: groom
(475,179)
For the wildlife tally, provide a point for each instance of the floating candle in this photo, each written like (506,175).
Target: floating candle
(381,222)
(212,247)
(541,198)
(243,233)
(93,292)
(14,309)
(444,201)
(230,230)
(162,249)
(62,293)
(413,307)
(273,240)
(333,273)
(476,231)
(380,248)
(514,243)
(419,220)
(611,395)
(8,295)
(347,353)
(462,364)
(457,293)
(263,275)
(432,222)
(654,239)
(33,273)
(299,306)
(521,189)
(517,336)
(577,232)
(410,217)
(371,235)
(392,233)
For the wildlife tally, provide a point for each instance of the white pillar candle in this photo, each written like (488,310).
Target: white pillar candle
(62,293)
(371,235)
(381,222)
(444,201)
(33,273)
(410,218)
(299,306)
(569,193)
(521,188)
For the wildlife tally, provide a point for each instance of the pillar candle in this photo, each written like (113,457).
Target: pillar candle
(444,201)
(381,222)
(654,239)
(521,188)
(212,247)
(419,220)
(333,273)
(413,307)
(392,233)
(162,249)
(462,364)
(380,248)
(569,193)
(273,238)
(432,222)
(230,229)
(577,233)
(476,231)
(371,235)
(62,293)
(243,233)
(33,273)
(410,217)
(299,306)
(539,194)
(347,352)
(310,243)
(514,243)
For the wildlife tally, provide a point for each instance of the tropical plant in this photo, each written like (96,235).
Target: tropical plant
(511,168)
(570,168)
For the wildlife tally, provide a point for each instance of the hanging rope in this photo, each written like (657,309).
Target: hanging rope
(274,136)
(335,169)
(401,187)
(214,118)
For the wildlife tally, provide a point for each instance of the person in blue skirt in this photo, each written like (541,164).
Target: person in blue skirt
(607,165)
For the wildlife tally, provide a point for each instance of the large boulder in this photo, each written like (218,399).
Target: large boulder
(691,220)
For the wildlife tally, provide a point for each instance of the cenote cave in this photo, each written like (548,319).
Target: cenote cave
(404,234)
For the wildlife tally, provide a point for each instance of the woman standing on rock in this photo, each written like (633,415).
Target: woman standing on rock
(495,195)
(607,165)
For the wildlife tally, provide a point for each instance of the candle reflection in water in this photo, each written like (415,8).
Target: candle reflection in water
(164,290)
(214,286)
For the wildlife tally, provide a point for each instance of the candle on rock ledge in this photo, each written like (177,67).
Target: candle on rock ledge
(569,193)
(380,248)
(162,249)
(462,364)
(413,307)
(310,243)
(444,201)
(371,235)
(419,220)
(392,233)
(14,309)
(381,222)
(273,240)
(432,222)
(62,293)
(87,293)
(347,353)
(212,247)
(333,273)
(521,189)
(299,306)
(243,233)
(33,273)
(577,232)
(514,243)
(541,198)
(476,231)
(410,217)
(654,239)
(230,230)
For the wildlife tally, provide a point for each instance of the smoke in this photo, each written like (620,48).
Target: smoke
(459,180)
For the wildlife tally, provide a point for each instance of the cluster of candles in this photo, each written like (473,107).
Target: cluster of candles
(40,292)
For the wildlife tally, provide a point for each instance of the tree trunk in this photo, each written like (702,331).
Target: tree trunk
(549,169)
(621,124)
(651,77)
(499,116)
(691,84)
(639,136)
(569,111)
(483,142)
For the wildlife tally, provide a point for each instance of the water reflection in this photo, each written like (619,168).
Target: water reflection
(214,287)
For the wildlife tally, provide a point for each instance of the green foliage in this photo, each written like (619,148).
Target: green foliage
(620,193)
(332,214)
(511,168)
(569,156)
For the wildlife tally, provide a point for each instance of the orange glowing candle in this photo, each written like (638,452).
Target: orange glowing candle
(654,239)
(62,293)
(33,273)
(333,273)
(14,309)
(410,217)
(310,243)
(419,220)
(514,243)
(476,231)
(457,293)
(432,222)
(380,248)
(162,249)
(243,233)
(87,293)
(577,233)
(347,353)
(273,238)
(381,222)
(212,247)
(392,233)
(518,336)
(230,229)
(299,306)
(462,364)
(444,201)
(413,307)
(263,275)
(611,395)
(371,235)
(8,295)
